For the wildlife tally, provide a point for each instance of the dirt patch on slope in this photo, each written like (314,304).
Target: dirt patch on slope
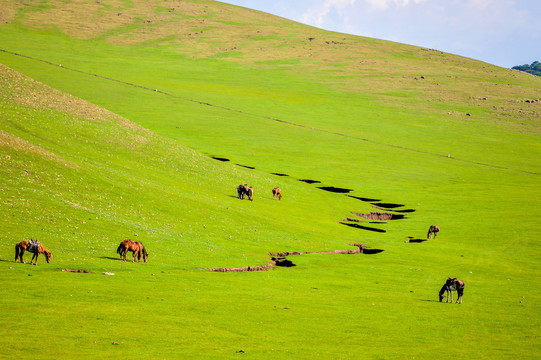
(280,258)
(76,271)
(377,216)
(360,249)
(244,269)
(275,261)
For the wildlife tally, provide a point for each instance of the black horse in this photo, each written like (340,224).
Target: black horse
(242,190)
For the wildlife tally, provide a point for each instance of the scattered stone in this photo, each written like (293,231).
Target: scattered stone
(76,271)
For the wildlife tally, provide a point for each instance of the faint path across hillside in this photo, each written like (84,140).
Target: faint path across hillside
(269,117)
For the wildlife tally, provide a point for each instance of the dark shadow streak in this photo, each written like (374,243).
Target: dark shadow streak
(364,227)
(111,258)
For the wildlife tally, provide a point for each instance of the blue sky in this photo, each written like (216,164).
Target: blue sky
(501,32)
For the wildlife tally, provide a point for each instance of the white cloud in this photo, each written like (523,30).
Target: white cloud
(384,4)
(317,14)
(503,32)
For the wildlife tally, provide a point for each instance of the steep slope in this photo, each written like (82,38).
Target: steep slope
(76,172)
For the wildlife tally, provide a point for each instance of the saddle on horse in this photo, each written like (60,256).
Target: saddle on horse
(33,246)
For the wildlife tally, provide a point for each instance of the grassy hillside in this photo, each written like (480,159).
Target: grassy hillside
(110,134)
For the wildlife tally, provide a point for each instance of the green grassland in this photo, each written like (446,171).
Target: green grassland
(111,113)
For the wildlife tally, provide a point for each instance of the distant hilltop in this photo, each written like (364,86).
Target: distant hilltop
(534,68)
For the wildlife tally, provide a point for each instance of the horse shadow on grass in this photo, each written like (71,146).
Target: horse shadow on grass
(411,239)
(110,258)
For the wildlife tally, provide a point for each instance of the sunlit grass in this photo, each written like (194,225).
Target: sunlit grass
(386,120)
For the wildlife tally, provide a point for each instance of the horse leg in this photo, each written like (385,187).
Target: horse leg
(35,256)
(133,259)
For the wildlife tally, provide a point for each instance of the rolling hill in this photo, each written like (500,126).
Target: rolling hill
(138,119)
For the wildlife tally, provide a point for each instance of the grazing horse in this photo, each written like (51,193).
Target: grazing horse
(136,247)
(276,192)
(242,190)
(250,193)
(433,230)
(34,247)
(453,285)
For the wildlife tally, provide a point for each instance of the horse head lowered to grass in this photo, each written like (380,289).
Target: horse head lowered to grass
(136,247)
(453,285)
(33,246)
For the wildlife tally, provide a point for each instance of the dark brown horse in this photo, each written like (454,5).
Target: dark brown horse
(136,247)
(34,247)
(453,285)
(277,193)
(242,190)
(433,230)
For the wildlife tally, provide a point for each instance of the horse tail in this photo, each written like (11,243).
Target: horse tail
(145,255)
(17,249)
(119,249)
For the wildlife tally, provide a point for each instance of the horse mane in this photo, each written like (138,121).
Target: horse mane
(443,288)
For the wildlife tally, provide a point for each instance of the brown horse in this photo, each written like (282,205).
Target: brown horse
(277,193)
(433,230)
(31,246)
(250,193)
(136,247)
(453,285)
